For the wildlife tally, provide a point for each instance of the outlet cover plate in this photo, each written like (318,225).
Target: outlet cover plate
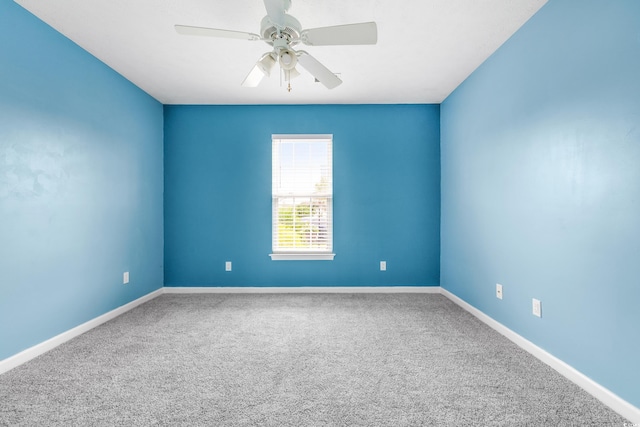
(536,307)
(125,277)
(498,291)
(383,265)
(227,266)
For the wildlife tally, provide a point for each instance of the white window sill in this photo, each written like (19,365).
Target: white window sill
(304,256)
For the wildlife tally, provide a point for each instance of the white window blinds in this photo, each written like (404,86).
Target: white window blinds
(302,195)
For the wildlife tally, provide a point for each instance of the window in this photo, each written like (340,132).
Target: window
(302,193)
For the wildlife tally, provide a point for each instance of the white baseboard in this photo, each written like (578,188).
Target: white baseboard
(305,290)
(613,401)
(38,349)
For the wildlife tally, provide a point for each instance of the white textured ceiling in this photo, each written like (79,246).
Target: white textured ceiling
(425,49)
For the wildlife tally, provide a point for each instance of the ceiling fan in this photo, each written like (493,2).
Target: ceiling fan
(283,32)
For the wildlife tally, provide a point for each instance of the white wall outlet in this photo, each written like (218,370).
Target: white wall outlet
(498,291)
(125,277)
(227,266)
(537,307)
(383,265)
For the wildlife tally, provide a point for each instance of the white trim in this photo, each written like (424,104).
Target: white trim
(613,401)
(286,175)
(307,256)
(306,290)
(306,137)
(39,349)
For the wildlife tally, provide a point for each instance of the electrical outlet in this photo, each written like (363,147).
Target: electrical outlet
(537,307)
(125,277)
(383,265)
(498,290)
(227,266)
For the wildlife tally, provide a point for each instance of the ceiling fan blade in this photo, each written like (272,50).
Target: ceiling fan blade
(276,10)
(214,32)
(262,68)
(254,77)
(317,70)
(350,34)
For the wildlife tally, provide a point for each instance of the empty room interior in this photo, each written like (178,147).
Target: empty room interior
(424,213)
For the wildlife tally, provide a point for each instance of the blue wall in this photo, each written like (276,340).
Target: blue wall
(80,185)
(218,195)
(541,187)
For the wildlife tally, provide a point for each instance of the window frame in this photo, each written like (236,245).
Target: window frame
(302,254)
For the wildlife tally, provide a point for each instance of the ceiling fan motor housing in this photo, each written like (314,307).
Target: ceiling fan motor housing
(290,32)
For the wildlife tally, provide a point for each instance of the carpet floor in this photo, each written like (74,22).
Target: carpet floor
(294,360)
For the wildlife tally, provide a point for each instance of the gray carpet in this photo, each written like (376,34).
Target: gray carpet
(294,360)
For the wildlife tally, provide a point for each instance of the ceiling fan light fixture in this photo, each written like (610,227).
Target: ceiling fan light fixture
(293,73)
(262,68)
(266,63)
(288,59)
